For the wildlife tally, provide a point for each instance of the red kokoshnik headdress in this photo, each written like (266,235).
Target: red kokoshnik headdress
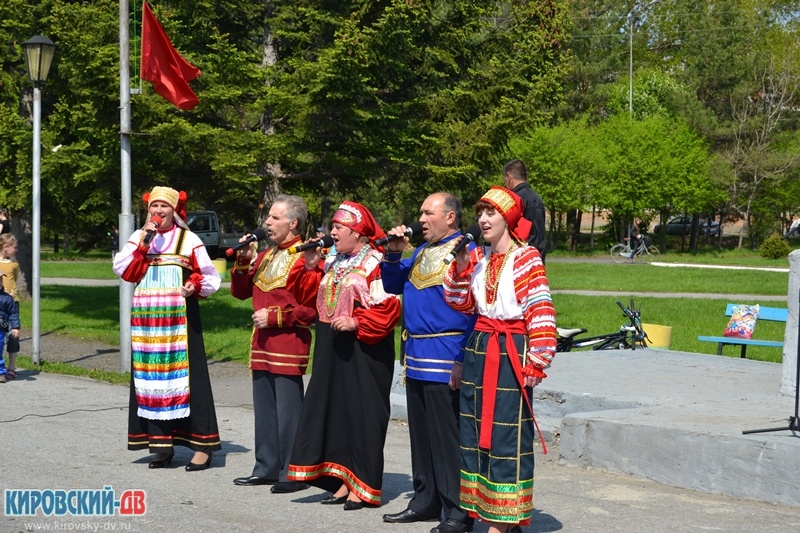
(359,219)
(509,205)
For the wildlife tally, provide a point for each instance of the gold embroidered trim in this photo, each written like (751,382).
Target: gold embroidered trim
(432,335)
(429,267)
(272,272)
(500,198)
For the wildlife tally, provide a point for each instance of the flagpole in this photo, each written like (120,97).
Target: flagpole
(125,216)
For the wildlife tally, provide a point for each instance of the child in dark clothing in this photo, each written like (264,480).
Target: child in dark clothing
(9,320)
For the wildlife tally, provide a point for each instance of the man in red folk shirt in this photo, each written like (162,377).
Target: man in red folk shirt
(284,293)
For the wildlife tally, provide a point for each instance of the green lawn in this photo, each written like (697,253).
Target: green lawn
(688,318)
(649,278)
(93,312)
(88,269)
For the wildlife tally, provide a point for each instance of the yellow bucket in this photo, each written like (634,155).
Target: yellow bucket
(660,336)
(222,266)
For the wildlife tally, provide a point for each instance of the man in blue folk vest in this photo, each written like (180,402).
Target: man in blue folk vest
(434,335)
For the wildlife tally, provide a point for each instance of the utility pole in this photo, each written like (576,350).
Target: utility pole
(125,216)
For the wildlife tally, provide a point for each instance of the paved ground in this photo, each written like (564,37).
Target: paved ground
(623,419)
(69,433)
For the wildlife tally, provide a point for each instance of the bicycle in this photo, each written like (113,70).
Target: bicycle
(622,253)
(629,336)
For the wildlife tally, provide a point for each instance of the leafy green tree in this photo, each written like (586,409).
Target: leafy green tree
(425,93)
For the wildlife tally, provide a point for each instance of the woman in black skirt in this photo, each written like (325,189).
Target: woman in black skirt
(171,401)
(345,415)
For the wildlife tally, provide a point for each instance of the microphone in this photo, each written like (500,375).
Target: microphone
(149,234)
(472,233)
(325,242)
(413,229)
(257,235)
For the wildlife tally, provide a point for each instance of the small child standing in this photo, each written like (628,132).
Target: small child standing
(10,267)
(9,320)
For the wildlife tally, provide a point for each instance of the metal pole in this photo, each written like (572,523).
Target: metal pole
(125,216)
(36,237)
(630,66)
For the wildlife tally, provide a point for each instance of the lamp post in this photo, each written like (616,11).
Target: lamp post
(631,19)
(39,51)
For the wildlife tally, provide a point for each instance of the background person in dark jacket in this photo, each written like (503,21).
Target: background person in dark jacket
(515,178)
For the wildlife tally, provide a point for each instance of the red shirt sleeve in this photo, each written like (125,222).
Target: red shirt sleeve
(375,322)
(138,267)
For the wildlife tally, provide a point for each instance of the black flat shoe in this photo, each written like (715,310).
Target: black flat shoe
(194,467)
(350,505)
(163,463)
(333,500)
(287,487)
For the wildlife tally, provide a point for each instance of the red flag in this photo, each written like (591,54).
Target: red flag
(164,66)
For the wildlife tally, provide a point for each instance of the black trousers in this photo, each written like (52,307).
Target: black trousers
(433,414)
(277,400)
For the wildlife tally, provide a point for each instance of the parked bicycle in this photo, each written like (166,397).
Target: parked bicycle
(630,336)
(622,253)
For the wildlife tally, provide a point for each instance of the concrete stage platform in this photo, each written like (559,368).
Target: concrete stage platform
(672,417)
(675,418)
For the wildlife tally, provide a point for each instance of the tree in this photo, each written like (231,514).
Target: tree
(763,149)
(411,92)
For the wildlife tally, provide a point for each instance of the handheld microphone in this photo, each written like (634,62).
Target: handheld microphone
(325,242)
(472,233)
(413,229)
(149,234)
(257,235)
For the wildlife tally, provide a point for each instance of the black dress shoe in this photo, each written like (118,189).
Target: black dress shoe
(333,500)
(195,467)
(408,516)
(286,487)
(163,463)
(452,526)
(250,481)
(351,505)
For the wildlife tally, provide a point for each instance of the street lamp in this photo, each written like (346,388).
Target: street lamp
(39,51)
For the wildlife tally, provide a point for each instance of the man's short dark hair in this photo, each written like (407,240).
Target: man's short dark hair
(516,169)
(451,203)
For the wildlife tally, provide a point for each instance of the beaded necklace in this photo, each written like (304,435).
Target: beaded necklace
(494,268)
(341,267)
(168,245)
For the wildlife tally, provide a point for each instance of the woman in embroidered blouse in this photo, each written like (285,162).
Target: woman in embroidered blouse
(345,414)
(171,401)
(513,343)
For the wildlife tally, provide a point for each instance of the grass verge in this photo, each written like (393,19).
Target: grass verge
(93,312)
(73,370)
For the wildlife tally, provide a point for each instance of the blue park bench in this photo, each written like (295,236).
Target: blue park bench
(775,314)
